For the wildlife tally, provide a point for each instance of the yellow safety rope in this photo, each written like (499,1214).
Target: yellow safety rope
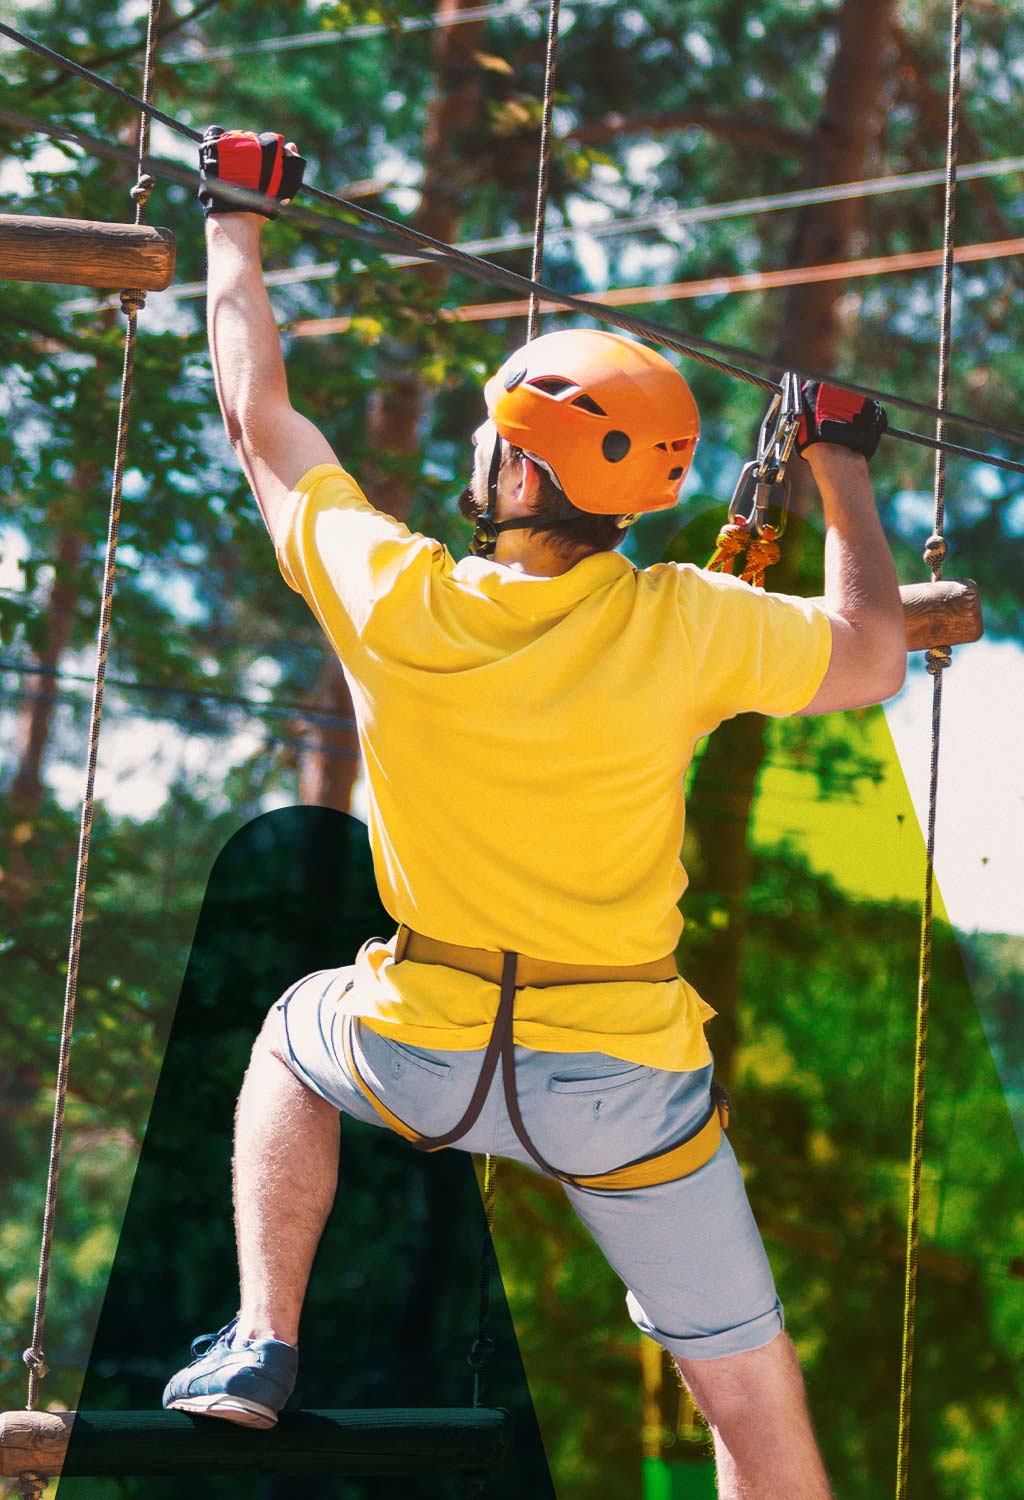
(762,550)
(938,658)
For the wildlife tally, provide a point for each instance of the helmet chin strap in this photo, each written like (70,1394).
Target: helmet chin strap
(487,530)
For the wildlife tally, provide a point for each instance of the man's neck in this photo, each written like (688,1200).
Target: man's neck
(528,553)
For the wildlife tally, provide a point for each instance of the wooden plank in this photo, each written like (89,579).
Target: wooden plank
(77,252)
(432,1440)
(942,614)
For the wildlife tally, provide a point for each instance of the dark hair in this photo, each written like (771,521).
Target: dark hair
(576,528)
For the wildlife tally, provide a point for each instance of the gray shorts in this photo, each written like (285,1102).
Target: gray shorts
(689,1252)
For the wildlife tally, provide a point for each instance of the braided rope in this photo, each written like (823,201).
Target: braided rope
(131,302)
(735,538)
(31,1486)
(938,658)
(544,168)
(483,1346)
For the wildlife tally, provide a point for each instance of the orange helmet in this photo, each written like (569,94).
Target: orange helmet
(612,420)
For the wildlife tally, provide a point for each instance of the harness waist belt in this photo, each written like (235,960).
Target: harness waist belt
(531,973)
(511,971)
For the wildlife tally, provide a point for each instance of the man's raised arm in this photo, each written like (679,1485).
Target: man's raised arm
(869,641)
(275,444)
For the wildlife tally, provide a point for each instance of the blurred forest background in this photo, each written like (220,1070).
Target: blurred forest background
(223,712)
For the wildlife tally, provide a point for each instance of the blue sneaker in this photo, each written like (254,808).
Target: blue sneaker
(247,1383)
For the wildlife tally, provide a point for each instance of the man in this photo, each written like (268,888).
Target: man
(526,717)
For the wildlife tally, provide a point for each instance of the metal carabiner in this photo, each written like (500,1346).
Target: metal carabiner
(754,498)
(764,479)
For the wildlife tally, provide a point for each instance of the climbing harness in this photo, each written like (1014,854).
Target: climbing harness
(512,972)
(762,490)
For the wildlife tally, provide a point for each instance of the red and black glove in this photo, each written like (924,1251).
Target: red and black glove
(244,159)
(831,415)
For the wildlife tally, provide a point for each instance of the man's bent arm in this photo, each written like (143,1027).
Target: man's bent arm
(869,642)
(275,444)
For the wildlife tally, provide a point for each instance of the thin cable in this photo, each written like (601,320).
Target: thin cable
(742,281)
(705,351)
(228,700)
(937,659)
(34,1356)
(371,29)
(543,169)
(664,218)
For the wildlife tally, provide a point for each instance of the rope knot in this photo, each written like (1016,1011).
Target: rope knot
(36,1361)
(731,541)
(938,658)
(480,1353)
(935,550)
(139,194)
(763,552)
(132,300)
(32,1486)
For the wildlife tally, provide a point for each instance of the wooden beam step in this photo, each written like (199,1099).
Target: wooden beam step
(432,1440)
(77,252)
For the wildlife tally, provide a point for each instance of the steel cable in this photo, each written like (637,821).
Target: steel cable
(706,351)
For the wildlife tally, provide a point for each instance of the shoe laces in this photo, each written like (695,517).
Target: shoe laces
(206,1341)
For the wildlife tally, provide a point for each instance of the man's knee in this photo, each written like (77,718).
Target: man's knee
(272,1039)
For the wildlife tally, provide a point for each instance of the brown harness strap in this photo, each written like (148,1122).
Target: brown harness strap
(675,1161)
(531,973)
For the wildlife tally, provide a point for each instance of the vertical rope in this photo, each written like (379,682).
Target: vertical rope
(483,1345)
(544,168)
(938,658)
(131,302)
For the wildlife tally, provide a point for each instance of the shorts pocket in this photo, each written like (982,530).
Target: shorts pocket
(401,1053)
(594,1080)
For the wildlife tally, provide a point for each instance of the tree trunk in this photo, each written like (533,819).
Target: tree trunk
(328,753)
(327,771)
(722,796)
(34,727)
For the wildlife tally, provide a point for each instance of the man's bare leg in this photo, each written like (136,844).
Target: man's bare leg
(285,1176)
(756,1407)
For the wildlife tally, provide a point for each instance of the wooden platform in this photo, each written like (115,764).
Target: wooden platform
(431,1440)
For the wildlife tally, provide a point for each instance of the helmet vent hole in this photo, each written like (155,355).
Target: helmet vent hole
(615,446)
(552,385)
(662,446)
(589,404)
(679,444)
(675,473)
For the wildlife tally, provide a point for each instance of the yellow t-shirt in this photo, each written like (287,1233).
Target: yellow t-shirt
(525,741)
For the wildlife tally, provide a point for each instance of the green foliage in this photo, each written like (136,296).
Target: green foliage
(212,659)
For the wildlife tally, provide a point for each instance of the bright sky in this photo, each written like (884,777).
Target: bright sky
(873,843)
(979,850)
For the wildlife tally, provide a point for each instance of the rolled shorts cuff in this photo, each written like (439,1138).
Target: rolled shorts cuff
(741,1339)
